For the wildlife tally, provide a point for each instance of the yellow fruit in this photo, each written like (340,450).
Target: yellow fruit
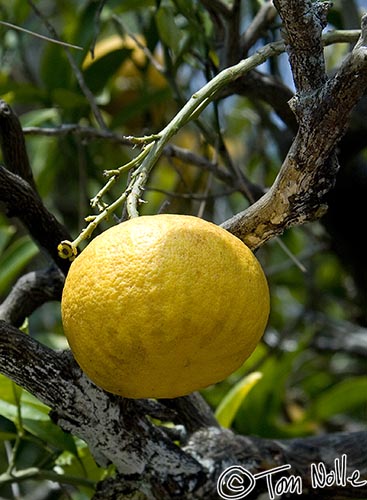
(163,305)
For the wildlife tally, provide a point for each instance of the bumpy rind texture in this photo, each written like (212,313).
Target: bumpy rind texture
(160,306)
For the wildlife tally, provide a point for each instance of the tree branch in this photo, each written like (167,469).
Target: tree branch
(307,174)
(21,201)
(264,17)
(192,411)
(18,193)
(221,448)
(77,72)
(304,21)
(117,431)
(13,145)
(30,292)
(267,88)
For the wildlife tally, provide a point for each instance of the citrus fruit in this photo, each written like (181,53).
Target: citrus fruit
(163,305)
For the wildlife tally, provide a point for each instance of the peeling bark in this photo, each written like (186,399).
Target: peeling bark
(308,172)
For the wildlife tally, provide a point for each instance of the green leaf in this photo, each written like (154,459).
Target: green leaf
(340,398)
(7,393)
(259,413)
(5,235)
(7,436)
(68,99)
(100,71)
(133,5)
(81,27)
(55,68)
(50,433)
(82,464)
(169,33)
(14,259)
(39,117)
(34,416)
(230,404)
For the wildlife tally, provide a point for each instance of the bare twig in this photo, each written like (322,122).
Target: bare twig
(85,132)
(38,35)
(79,75)
(263,19)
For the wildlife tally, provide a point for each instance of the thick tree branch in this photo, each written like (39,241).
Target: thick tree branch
(304,21)
(30,292)
(308,171)
(192,411)
(118,431)
(222,448)
(18,193)
(13,145)
(20,200)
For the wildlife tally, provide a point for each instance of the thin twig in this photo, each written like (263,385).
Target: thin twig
(264,17)
(38,35)
(194,106)
(85,132)
(34,473)
(78,74)
(122,28)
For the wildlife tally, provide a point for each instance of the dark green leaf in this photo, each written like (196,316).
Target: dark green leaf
(14,259)
(340,398)
(99,72)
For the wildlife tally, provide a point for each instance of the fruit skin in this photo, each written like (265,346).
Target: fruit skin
(163,305)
